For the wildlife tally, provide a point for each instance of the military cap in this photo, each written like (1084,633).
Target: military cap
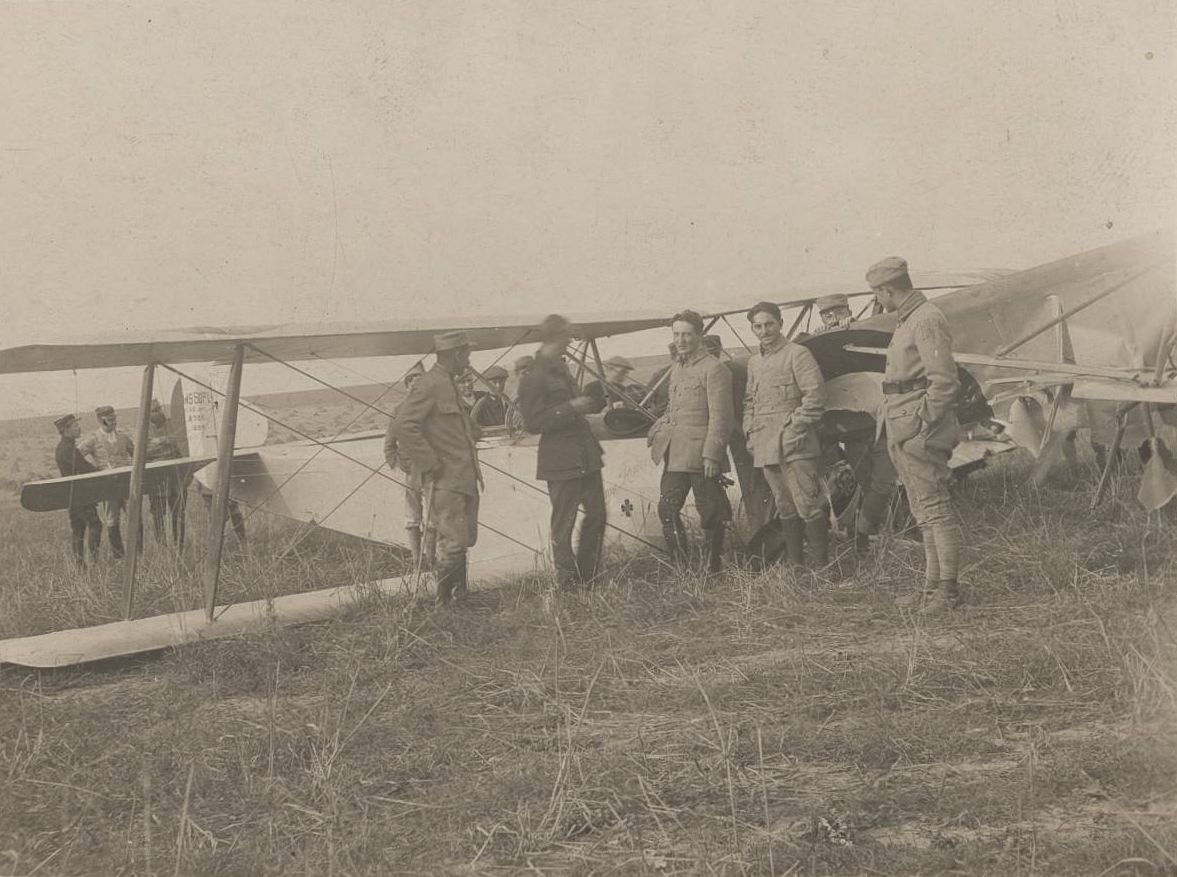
(829,302)
(619,362)
(890,269)
(495,372)
(415,372)
(553,326)
(523,363)
(455,340)
(103,411)
(65,420)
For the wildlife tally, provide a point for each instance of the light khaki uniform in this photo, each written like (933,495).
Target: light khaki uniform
(921,387)
(783,404)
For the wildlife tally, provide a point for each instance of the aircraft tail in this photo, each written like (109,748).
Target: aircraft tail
(196,434)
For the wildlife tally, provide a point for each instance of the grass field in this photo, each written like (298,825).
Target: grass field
(749,724)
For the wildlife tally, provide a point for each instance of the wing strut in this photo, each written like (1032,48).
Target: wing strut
(225,440)
(135,508)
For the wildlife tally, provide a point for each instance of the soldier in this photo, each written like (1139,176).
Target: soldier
(83,519)
(420,543)
(569,456)
(782,407)
(920,388)
(867,455)
(834,311)
(107,448)
(690,441)
(167,497)
(514,419)
(435,434)
(492,408)
(617,386)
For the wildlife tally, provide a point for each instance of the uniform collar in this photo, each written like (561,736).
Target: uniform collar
(773,346)
(914,299)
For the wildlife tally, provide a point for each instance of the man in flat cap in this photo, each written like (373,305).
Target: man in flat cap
(493,407)
(107,448)
(83,519)
(783,405)
(690,442)
(920,387)
(867,455)
(421,544)
(617,390)
(435,434)
(569,455)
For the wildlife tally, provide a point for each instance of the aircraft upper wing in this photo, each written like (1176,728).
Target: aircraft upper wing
(294,342)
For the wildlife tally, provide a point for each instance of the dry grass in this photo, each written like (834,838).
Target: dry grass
(755,723)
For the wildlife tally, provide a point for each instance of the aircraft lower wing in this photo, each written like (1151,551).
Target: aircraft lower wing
(72,491)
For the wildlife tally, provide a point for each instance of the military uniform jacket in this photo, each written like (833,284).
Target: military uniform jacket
(567,447)
(699,416)
(431,427)
(108,449)
(921,349)
(70,460)
(783,404)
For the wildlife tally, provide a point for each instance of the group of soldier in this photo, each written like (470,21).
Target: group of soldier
(766,414)
(108,447)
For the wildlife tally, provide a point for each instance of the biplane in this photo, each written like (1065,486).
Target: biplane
(1089,325)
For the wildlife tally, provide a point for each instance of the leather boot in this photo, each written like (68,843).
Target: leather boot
(461,579)
(861,544)
(794,533)
(676,544)
(447,578)
(714,548)
(946,598)
(817,534)
(415,547)
(115,536)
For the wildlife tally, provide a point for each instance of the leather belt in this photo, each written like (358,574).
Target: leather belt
(898,388)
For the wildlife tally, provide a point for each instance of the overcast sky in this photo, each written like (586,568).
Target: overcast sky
(219,163)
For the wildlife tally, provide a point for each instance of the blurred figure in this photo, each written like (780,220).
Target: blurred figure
(108,448)
(867,455)
(492,409)
(83,519)
(167,498)
(690,442)
(569,455)
(617,387)
(515,418)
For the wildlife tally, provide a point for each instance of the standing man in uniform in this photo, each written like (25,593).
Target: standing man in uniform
(436,436)
(420,543)
(690,441)
(920,386)
(83,519)
(167,497)
(782,407)
(492,408)
(569,455)
(867,455)
(107,448)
